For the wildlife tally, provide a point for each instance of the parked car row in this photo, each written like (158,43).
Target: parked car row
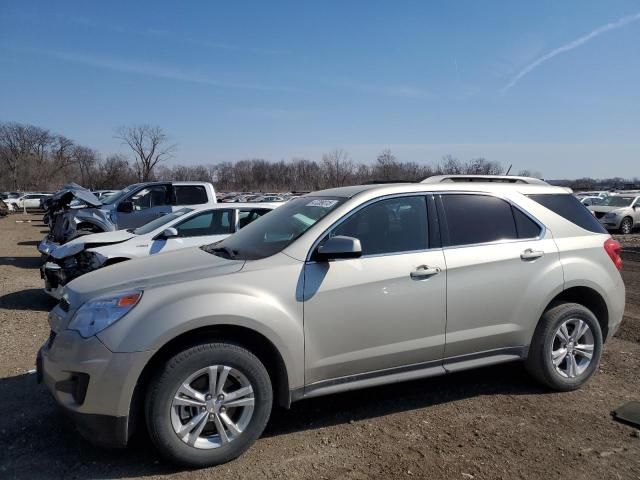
(619,211)
(16,201)
(186,227)
(253,197)
(336,290)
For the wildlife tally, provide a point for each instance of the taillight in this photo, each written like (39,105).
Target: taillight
(613,249)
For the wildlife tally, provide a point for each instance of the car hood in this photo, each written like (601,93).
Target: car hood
(73,191)
(148,272)
(88,241)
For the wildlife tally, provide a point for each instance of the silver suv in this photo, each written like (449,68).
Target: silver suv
(620,211)
(337,290)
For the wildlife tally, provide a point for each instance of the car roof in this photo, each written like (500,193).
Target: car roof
(394,188)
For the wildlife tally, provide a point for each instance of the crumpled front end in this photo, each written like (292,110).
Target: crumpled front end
(56,273)
(63,218)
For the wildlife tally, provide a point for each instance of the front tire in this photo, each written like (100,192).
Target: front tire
(208,404)
(566,347)
(626,226)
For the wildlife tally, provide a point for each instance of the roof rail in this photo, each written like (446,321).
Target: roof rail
(484,179)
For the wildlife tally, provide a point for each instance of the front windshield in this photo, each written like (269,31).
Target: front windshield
(272,233)
(160,221)
(118,195)
(615,201)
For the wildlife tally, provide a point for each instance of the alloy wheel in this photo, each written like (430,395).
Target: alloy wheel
(212,407)
(572,348)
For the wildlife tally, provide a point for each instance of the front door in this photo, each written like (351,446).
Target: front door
(383,310)
(148,203)
(201,229)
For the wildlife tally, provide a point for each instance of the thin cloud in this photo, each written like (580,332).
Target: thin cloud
(403,91)
(570,46)
(154,70)
(166,34)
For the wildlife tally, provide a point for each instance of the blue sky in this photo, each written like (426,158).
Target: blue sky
(546,85)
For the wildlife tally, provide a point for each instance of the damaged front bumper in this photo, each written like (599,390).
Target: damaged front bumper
(54,279)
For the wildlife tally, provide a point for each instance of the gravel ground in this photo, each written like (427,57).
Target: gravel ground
(489,423)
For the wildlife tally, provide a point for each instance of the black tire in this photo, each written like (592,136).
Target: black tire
(626,226)
(163,387)
(539,362)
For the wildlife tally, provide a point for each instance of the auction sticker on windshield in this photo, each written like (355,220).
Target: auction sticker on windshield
(321,203)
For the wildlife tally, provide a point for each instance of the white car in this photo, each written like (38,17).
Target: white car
(187,227)
(28,201)
(590,201)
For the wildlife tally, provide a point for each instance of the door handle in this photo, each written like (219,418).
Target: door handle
(530,254)
(425,271)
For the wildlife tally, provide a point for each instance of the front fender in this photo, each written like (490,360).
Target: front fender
(163,316)
(94,217)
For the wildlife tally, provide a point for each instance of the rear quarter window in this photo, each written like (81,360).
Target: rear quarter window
(571,209)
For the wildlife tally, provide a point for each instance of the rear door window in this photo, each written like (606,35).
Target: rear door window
(474,219)
(570,208)
(526,227)
(190,194)
(246,216)
(155,196)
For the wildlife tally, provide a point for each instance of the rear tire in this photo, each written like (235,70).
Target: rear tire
(185,423)
(566,347)
(626,226)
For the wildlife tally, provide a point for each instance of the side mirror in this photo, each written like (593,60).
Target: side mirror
(169,232)
(338,247)
(125,207)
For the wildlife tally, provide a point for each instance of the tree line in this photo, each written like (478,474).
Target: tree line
(35,159)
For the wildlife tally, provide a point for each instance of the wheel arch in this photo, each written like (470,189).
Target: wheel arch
(250,339)
(589,298)
(89,225)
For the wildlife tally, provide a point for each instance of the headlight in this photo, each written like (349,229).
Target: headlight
(611,215)
(97,314)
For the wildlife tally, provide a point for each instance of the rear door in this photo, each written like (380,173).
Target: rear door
(500,262)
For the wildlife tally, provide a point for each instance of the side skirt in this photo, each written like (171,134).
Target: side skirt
(410,372)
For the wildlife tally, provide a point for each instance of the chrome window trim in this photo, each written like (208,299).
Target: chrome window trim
(344,218)
(541,236)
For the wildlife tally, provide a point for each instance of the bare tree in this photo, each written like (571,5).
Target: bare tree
(20,146)
(149,145)
(387,166)
(530,173)
(338,167)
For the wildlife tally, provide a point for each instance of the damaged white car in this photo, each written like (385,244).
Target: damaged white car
(187,227)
